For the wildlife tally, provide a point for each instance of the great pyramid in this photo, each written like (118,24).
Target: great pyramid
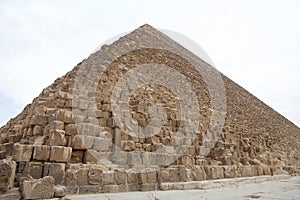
(142,113)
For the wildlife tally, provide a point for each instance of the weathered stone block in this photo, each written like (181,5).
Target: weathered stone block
(198,173)
(60,154)
(148,187)
(57,138)
(22,152)
(57,125)
(82,177)
(60,191)
(41,120)
(7,174)
(101,144)
(214,172)
(89,189)
(148,177)
(70,178)
(34,169)
(37,188)
(114,188)
(77,156)
(41,152)
(82,142)
(229,171)
(90,157)
(71,129)
(108,177)
(185,174)
(95,176)
(65,116)
(38,130)
(56,170)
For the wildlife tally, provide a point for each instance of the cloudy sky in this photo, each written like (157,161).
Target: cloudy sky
(255,43)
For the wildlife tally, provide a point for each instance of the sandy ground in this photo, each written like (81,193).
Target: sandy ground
(274,188)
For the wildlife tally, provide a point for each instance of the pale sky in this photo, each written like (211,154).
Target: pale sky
(255,43)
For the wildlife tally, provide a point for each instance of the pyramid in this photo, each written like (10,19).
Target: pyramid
(141,114)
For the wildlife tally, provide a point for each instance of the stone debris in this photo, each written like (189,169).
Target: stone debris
(70,141)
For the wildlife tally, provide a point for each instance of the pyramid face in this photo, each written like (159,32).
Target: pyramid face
(142,112)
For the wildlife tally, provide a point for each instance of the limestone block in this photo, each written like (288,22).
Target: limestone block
(198,173)
(38,130)
(148,187)
(174,174)
(132,178)
(64,116)
(101,144)
(41,153)
(229,171)
(60,191)
(82,142)
(60,154)
(57,138)
(22,152)
(37,188)
(214,172)
(34,169)
(82,177)
(95,176)
(70,129)
(56,170)
(120,178)
(114,188)
(89,189)
(41,120)
(77,156)
(57,125)
(185,174)
(7,174)
(164,176)
(108,177)
(120,158)
(70,178)
(90,157)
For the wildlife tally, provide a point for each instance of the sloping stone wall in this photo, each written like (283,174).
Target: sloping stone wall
(44,139)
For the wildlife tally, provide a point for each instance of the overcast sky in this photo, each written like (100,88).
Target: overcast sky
(256,43)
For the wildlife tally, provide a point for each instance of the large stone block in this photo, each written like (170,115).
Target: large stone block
(34,169)
(57,138)
(41,120)
(37,188)
(7,174)
(70,178)
(56,170)
(77,156)
(41,152)
(57,125)
(60,154)
(71,129)
(82,142)
(101,144)
(60,191)
(64,115)
(95,176)
(22,152)
(198,173)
